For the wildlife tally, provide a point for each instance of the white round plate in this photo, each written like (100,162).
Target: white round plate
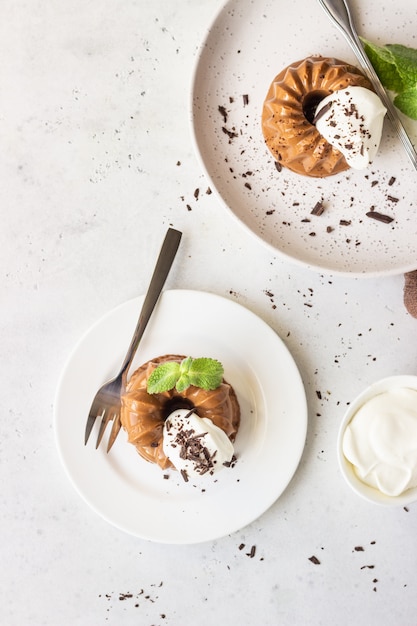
(248,44)
(133,494)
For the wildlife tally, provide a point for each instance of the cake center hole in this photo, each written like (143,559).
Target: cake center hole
(176,403)
(311,102)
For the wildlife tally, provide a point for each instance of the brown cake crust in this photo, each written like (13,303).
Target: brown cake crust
(290,136)
(143,414)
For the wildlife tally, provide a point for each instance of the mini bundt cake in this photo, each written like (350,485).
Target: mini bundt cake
(143,414)
(288,114)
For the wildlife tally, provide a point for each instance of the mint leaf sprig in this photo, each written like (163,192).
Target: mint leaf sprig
(204,372)
(396,66)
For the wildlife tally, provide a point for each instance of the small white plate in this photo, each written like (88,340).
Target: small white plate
(247,45)
(133,494)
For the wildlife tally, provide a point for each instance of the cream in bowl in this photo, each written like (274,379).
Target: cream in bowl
(377,444)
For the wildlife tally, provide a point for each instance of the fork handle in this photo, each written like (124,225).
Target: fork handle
(163,265)
(338,12)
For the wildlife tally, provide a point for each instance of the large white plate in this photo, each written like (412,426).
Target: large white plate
(247,45)
(131,493)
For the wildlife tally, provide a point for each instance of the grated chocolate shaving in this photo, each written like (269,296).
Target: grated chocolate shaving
(318,209)
(192,448)
(380,217)
(252,552)
(223,113)
(314,560)
(322,112)
(229,133)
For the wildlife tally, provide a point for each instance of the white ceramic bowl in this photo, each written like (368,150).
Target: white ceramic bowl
(365,491)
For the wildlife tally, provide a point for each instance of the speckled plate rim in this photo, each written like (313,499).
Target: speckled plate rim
(131,493)
(381,260)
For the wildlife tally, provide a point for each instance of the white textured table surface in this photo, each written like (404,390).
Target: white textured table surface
(96,163)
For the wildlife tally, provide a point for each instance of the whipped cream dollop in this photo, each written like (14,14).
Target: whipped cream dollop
(195,445)
(381,441)
(351,120)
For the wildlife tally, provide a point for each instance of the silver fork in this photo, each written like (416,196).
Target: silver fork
(338,12)
(107,401)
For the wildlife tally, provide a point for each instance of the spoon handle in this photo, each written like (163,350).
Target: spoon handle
(338,12)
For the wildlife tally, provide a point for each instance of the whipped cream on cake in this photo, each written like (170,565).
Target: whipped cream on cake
(195,445)
(351,120)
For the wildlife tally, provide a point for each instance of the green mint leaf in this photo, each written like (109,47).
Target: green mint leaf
(406,102)
(183,383)
(396,66)
(384,65)
(185,365)
(405,60)
(164,377)
(205,373)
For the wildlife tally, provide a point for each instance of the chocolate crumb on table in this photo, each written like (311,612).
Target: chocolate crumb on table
(252,552)
(314,560)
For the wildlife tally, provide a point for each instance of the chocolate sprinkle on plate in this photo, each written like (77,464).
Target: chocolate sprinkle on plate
(223,112)
(318,209)
(380,217)
(229,133)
